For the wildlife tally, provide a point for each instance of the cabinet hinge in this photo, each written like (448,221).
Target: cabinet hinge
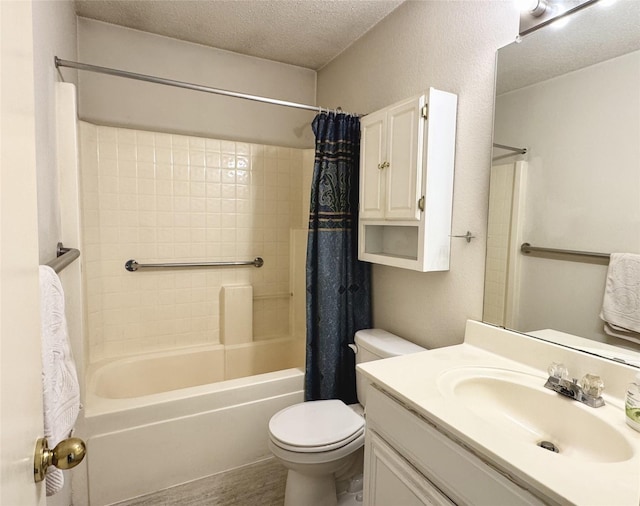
(424,112)
(421,203)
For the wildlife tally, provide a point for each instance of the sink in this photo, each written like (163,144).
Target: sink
(518,406)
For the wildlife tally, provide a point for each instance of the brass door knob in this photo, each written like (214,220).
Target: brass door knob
(67,454)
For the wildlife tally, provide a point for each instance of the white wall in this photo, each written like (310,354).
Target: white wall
(54,33)
(451,46)
(582,131)
(134,104)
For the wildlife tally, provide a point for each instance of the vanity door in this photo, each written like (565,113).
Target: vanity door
(393,481)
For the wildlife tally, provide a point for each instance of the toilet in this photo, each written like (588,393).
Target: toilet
(321,442)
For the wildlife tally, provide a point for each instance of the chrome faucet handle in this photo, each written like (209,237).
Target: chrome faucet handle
(558,370)
(592,385)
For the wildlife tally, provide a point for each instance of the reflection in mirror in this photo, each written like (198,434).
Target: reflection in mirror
(571,97)
(536,14)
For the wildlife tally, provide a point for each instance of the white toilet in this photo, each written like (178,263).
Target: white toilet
(320,442)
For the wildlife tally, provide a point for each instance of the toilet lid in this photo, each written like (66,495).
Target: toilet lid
(316,425)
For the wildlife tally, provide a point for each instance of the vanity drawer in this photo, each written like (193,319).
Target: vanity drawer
(459,474)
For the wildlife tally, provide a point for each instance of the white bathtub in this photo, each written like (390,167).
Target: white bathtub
(164,419)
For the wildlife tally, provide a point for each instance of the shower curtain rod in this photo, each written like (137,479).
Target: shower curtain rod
(189,86)
(521,151)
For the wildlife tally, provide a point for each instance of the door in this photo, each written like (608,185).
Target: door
(391,480)
(405,147)
(20,362)
(372,165)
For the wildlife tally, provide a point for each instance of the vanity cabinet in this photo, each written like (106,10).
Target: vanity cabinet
(406,182)
(392,480)
(409,461)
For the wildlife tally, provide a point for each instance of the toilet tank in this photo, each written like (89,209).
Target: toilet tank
(375,344)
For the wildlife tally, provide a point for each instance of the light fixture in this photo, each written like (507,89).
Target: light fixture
(560,22)
(539,8)
(526,5)
(535,14)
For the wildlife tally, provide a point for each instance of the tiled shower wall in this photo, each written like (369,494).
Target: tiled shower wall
(157,197)
(498,241)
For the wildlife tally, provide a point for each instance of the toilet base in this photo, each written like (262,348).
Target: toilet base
(353,495)
(306,490)
(350,499)
(320,484)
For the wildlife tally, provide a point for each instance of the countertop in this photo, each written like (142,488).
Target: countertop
(416,381)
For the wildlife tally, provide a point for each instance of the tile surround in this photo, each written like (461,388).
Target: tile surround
(158,197)
(501,198)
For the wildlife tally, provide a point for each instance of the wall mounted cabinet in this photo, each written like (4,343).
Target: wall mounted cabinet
(406,182)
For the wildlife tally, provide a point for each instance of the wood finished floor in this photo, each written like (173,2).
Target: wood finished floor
(260,484)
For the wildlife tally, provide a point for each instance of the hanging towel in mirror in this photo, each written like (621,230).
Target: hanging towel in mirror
(60,388)
(621,303)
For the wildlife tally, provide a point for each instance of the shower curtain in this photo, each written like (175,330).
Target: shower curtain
(338,285)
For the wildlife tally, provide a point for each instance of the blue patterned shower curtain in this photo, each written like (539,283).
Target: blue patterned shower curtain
(338,285)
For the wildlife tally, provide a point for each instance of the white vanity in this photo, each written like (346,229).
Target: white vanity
(462,424)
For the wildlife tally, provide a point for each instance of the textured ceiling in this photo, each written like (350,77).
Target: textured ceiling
(307,33)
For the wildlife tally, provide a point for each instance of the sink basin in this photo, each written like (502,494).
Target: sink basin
(518,406)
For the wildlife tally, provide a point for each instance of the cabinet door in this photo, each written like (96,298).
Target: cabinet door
(405,139)
(372,172)
(391,481)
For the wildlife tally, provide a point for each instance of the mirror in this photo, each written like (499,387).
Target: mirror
(571,97)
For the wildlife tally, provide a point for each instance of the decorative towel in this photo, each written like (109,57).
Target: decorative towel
(621,304)
(61,391)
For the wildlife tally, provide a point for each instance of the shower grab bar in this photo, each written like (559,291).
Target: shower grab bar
(64,256)
(527,248)
(133,265)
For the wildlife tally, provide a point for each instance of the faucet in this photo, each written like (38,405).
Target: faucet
(588,391)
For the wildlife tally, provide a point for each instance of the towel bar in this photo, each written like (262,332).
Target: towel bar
(64,256)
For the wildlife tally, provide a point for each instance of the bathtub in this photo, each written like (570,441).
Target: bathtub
(159,420)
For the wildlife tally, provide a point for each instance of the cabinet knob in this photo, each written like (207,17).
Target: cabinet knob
(383,165)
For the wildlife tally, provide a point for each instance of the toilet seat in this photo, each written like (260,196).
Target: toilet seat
(316,449)
(315,426)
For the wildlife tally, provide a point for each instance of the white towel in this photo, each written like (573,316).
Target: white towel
(621,304)
(61,391)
